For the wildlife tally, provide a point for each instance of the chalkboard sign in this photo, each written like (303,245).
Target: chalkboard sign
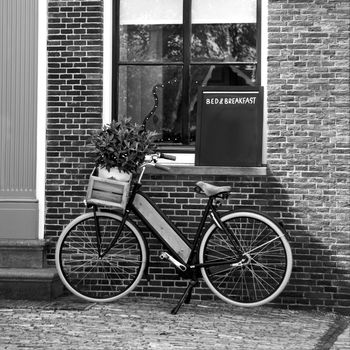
(229,126)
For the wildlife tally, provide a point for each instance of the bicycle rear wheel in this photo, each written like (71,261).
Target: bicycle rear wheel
(266,265)
(97,277)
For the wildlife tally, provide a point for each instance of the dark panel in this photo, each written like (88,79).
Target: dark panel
(229,126)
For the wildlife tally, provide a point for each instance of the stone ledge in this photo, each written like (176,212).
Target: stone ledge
(23,253)
(31,284)
(209,170)
(28,243)
(28,274)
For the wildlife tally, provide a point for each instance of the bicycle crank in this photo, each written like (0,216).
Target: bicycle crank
(166,256)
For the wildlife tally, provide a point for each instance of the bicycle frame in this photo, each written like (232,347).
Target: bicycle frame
(184,254)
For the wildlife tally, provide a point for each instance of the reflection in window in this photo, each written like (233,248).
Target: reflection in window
(223,75)
(135,98)
(160,43)
(224,42)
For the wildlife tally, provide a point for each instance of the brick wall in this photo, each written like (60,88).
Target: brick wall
(74,104)
(307,147)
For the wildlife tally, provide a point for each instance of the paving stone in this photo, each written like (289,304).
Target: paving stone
(146,323)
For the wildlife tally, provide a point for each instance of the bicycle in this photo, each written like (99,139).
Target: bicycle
(243,256)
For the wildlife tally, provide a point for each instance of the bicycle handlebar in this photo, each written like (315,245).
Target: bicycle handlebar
(152,159)
(167,156)
(164,156)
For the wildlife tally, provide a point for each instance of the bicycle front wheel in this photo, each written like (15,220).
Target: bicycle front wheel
(263,271)
(92,275)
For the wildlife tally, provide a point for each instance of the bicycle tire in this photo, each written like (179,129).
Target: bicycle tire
(268,259)
(94,278)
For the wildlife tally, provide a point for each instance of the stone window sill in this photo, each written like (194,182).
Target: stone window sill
(188,169)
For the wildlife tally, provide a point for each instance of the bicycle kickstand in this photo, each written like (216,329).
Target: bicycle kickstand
(185,297)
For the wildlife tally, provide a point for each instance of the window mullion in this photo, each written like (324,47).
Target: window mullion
(258,42)
(185,113)
(116,58)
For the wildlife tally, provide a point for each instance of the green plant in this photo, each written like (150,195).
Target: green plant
(122,144)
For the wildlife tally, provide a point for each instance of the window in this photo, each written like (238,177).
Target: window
(190,43)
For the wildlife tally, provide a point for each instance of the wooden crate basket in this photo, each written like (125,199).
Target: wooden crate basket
(107,192)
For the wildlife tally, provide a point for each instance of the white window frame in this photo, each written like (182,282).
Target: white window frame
(182,158)
(41,114)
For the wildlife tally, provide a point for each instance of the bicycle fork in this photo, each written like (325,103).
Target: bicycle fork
(101,253)
(98,232)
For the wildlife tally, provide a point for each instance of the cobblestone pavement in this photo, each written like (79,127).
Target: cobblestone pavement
(145,323)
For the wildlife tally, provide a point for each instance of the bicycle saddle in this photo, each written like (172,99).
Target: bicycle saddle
(211,190)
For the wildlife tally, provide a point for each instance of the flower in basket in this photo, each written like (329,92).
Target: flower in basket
(122,144)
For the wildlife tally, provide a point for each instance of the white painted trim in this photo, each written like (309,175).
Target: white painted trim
(107,60)
(264,54)
(182,159)
(41,114)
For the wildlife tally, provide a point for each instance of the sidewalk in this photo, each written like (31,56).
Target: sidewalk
(144,323)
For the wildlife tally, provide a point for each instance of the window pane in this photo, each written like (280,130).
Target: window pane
(223,75)
(150,12)
(136,99)
(151,30)
(224,42)
(151,43)
(223,11)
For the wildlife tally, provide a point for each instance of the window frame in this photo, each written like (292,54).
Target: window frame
(185,154)
(186,65)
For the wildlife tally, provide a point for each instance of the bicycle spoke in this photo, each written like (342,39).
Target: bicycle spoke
(264,283)
(128,258)
(120,275)
(79,238)
(82,278)
(270,271)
